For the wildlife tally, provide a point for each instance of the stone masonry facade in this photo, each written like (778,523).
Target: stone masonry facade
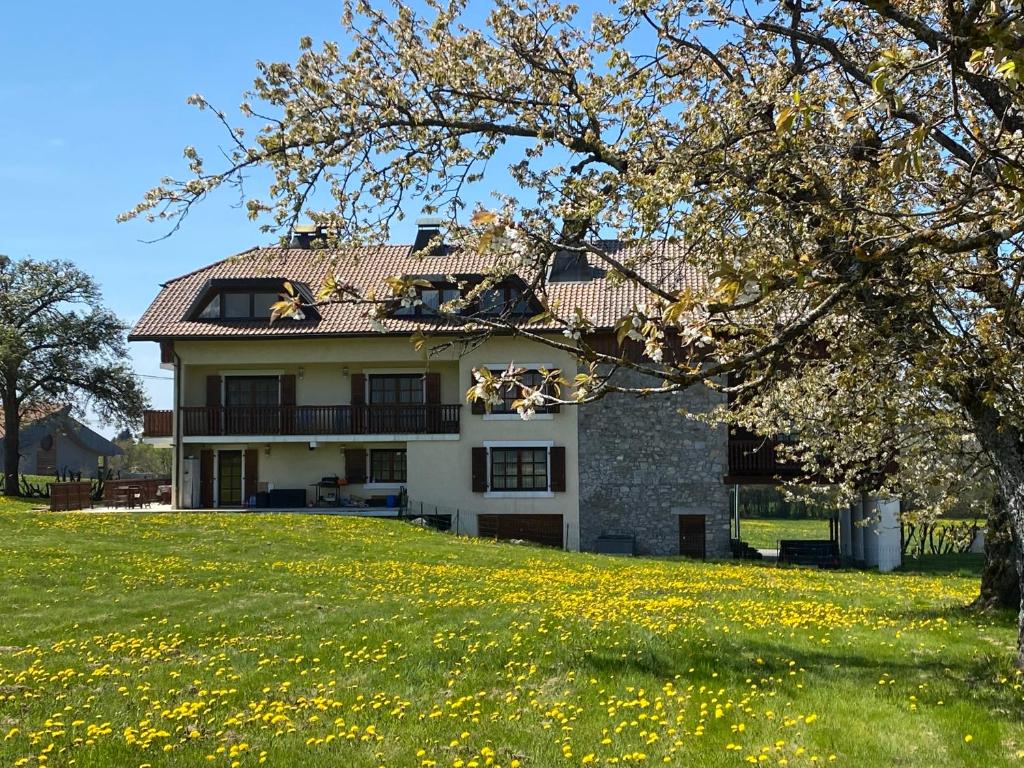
(642,464)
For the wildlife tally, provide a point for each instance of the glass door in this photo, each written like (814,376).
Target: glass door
(252,405)
(229,478)
(396,402)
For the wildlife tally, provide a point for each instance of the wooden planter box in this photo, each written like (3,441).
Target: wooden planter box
(67,496)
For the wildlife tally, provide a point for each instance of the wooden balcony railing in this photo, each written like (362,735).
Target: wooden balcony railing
(157,423)
(757,459)
(321,420)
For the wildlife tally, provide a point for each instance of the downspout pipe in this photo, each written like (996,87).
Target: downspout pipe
(177,431)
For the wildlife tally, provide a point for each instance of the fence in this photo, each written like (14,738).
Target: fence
(940,537)
(447,519)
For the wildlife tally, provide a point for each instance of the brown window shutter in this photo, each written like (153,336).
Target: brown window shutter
(288,404)
(288,389)
(554,407)
(358,389)
(206,478)
(477,406)
(355,465)
(252,458)
(558,468)
(359,418)
(213,391)
(433,387)
(166,352)
(479,470)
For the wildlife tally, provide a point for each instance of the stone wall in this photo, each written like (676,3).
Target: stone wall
(642,464)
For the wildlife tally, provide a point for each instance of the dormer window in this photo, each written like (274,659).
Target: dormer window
(431,300)
(505,298)
(237,300)
(502,299)
(212,309)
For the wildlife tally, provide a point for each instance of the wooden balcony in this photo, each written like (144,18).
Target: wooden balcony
(157,423)
(319,420)
(755,461)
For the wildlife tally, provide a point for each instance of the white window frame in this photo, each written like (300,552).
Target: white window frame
(489,494)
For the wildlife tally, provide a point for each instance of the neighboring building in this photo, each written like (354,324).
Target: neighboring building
(264,411)
(54,442)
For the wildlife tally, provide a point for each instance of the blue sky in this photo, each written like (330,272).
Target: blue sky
(93,114)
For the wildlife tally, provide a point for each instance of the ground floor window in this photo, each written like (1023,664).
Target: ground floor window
(519,469)
(387,465)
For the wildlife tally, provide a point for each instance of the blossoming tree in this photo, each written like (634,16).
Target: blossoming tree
(830,167)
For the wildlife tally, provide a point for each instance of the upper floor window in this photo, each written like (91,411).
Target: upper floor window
(251,390)
(392,389)
(512,392)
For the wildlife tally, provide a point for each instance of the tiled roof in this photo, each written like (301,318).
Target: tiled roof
(598,299)
(33,415)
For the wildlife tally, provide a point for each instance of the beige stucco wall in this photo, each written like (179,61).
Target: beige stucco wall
(452,486)
(324,362)
(295,465)
(439,471)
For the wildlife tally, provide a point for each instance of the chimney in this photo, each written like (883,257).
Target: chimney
(572,267)
(303,235)
(427,228)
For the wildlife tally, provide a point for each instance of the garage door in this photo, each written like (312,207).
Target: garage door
(540,529)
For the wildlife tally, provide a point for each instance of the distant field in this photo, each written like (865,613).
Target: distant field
(765,533)
(248,640)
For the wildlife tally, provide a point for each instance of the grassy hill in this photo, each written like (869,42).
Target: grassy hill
(246,640)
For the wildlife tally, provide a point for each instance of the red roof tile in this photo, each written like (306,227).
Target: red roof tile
(598,299)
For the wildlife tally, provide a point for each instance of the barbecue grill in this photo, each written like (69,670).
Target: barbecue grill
(327,490)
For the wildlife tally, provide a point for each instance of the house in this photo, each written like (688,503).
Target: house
(271,413)
(265,411)
(52,441)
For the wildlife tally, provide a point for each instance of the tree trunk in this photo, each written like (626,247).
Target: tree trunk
(1000,584)
(1004,443)
(12,449)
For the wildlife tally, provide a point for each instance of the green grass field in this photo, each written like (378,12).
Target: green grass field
(241,640)
(765,533)
(8,504)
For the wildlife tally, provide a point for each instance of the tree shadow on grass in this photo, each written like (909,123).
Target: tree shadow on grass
(973,678)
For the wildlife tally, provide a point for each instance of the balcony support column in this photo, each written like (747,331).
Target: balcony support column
(736,508)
